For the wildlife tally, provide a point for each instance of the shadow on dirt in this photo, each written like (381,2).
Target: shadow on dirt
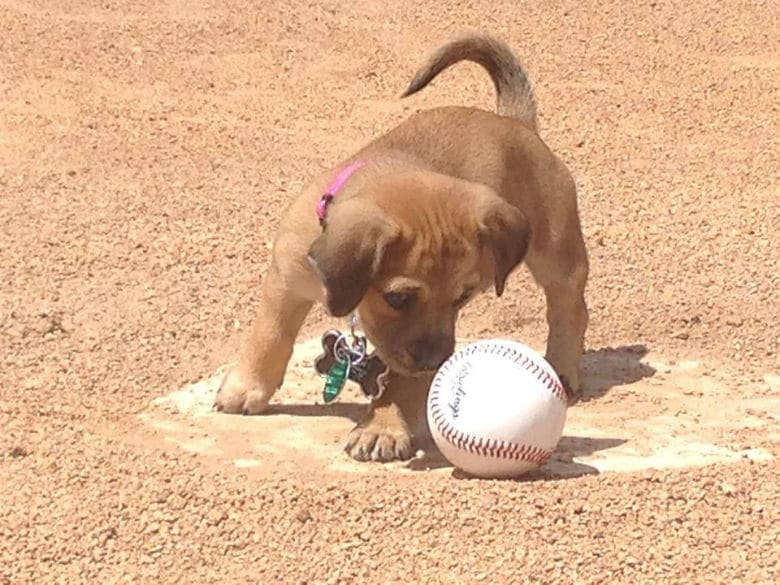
(560,466)
(354,411)
(605,368)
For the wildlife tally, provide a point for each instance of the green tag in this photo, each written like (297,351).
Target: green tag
(335,380)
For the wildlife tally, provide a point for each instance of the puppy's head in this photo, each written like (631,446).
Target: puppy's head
(408,252)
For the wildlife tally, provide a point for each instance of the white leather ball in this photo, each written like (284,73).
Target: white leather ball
(496,409)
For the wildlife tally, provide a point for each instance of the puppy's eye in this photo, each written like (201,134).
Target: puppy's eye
(399,301)
(463,299)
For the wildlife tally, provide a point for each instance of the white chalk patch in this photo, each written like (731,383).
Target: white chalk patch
(636,414)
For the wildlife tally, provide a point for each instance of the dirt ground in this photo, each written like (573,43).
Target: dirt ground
(147,149)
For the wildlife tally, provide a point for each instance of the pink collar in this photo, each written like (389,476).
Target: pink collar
(334,187)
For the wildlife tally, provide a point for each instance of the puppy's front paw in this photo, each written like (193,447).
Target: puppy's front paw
(241,394)
(374,442)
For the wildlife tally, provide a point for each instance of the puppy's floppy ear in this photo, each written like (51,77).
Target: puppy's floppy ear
(505,232)
(348,253)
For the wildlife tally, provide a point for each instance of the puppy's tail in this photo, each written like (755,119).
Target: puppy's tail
(515,96)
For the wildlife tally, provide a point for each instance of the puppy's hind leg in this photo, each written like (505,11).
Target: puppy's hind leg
(562,271)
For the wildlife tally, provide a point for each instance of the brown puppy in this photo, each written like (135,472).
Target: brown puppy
(444,206)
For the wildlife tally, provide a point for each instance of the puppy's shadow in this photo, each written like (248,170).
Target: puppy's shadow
(605,368)
(353,411)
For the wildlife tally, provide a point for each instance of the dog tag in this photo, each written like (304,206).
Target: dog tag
(368,375)
(334,363)
(335,380)
(341,361)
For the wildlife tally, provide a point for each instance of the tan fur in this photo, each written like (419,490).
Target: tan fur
(450,203)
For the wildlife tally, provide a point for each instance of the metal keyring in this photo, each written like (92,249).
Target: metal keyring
(358,350)
(355,354)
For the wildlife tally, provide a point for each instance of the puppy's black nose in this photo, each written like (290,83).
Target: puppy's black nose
(430,352)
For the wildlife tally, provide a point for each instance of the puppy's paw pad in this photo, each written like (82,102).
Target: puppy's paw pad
(228,402)
(367,444)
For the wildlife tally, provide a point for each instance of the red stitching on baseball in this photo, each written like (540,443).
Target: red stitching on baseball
(550,382)
(494,447)
(526,363)
(486,447)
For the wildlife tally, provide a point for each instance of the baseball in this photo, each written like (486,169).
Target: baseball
(496,409)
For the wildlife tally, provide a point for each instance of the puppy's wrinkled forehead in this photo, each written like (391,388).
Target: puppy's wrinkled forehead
(438,230)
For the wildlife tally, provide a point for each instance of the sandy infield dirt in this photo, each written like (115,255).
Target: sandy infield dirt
(147,149)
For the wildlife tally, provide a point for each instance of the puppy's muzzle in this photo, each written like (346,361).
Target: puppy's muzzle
(430,352)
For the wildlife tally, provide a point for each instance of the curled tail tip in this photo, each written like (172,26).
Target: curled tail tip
(410,90)
(514,90)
